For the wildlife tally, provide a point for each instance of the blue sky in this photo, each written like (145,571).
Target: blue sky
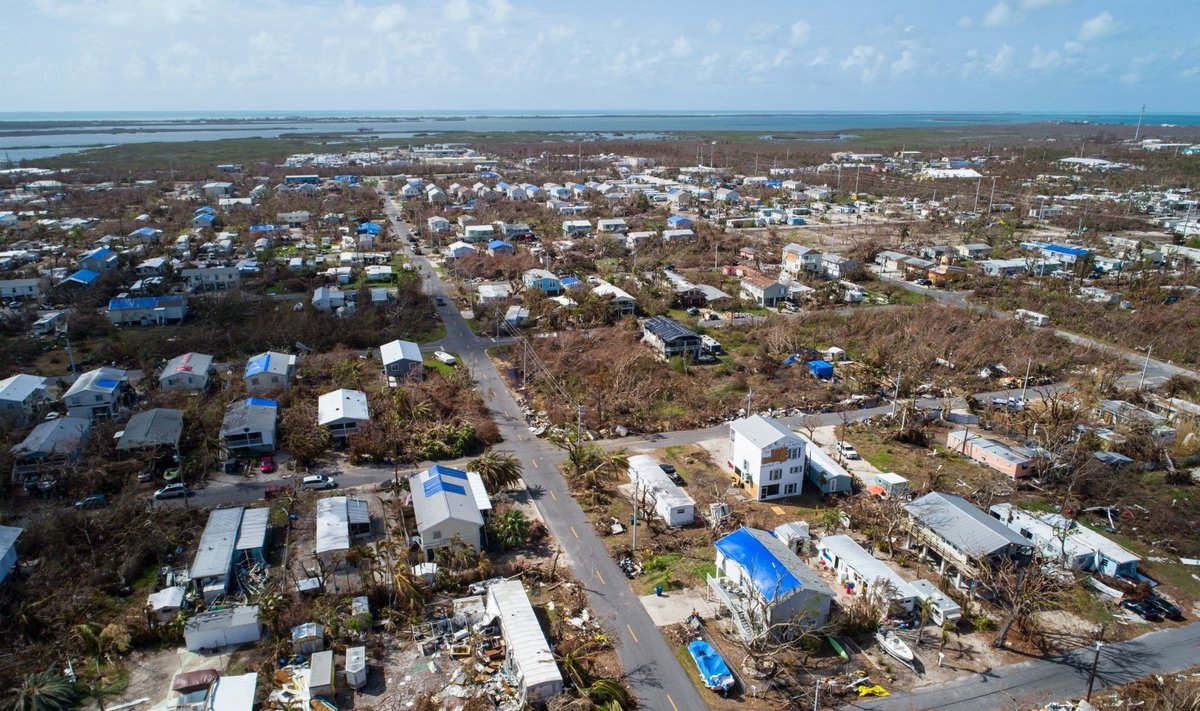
(1018,55)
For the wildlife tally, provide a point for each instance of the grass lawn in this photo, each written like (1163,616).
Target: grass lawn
(432,363)
(915,464)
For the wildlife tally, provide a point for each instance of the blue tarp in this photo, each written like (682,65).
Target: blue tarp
(83,276)
(262,402)
(791,360)
(499,244)
(437,482)
(368,228)
(1064,249)
(258,364)
(263,228)
(570,282)
(713,669)
(144,232)
(770,577)
(821,369)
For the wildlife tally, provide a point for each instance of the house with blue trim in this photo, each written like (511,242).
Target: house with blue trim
(99,260)
(766,587)
(269,372)
(449,504)
(542,280)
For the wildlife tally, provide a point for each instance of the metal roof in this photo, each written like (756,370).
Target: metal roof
(769,564)
(440,494)
(62,436)
(667,329)
(865,565)
(396,351)
(254,414)
(527,647)
(8,538)
(342,405)
(762,432)
(188,363)
(269,362)
(253,533)
(962,525)
(645,469)
(214,556)
(335,515)
(224,619)
(160,426)
(100,380)
(19,387)
(1046,531)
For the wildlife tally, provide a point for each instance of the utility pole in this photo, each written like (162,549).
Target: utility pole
(992,195)
(1092,673)
(896,398)
(633,518)
(1145,366)
(1138,132)
(975,206)
(856,172)
(716,259)
(579,420)
(817,697)
(1025,382)
(749,400)
(524,362)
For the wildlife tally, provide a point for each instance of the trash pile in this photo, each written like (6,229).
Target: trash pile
(630,566)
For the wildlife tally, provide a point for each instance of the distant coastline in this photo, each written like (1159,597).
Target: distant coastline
(32,135)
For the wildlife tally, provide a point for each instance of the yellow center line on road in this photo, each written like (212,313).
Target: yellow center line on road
(573,533)
(598,575)
(672,702)
(631,633)
(552,494)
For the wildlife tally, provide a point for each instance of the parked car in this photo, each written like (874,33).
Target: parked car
(173,491)
(693,311)
(266,464)
(440,301)
(669,470)
(444,358)
(924,282)
(1142,609)
(1164,608)
(145,475)
(95,501)
(847,450)
(316,482)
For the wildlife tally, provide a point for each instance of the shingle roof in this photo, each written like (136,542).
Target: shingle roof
(160,426)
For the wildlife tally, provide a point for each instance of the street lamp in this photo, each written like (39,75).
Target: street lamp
(1092,675)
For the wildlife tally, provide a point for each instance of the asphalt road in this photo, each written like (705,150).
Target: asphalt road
(653,672)
(1040,681)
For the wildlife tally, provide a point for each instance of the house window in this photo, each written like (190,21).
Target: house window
(768,491)
(435,535)
(789,489)
(794,470)
(775,475)
(99,398)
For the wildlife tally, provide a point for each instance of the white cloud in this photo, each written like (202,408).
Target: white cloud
(713,27)
(999,62)
(906,62)
(1000,15)
(457,10)
(800,31)
(388,18)
(820,59)
(1044,59)
(965,22)
(682,47)
(500,9)
(865,59)
(1097,28)
(1129,78)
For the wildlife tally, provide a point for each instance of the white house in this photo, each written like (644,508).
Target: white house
(449,503)
(527,653)
(1065,542)
(187,373)
(762,289)
(342,411)
(213,630)
(619,300)
(652,485)
(438,224)
(340,520)
(765,585)
(767,458)
(23,399)
(401,359)
(147,310)
(860,573)
(576,228)
(612,226)
(798,259)
(97,393)
(20,289)
(268,372)
(250,425)
(212,278)
(458,250)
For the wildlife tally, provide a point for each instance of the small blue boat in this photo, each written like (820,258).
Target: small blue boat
(713,669)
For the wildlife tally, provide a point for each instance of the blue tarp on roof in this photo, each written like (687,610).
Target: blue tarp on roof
(258,364)
(570,282)
(83,276)
(345,179)
(499,244)
(677,220)
(147,302)
(207,208)
(262,402)
(144,232)
(489,174)
(437,483)
(107,383)
(368,228)
(263,228)
(1064,249)
(770,577)
(102,253)
(774,183)
(820,368)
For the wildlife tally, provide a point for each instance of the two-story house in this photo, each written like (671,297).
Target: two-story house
(798,259)
(99,260)
(669,338)
(767,458)
(23,399)
(959,540)
(98,393)
(762,289)
(543,281)
(212,278)
(249,425)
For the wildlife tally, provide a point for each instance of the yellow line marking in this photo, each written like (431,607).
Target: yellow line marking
(552,494)
(598,575)
(672,702)
(631,633)
(573,532)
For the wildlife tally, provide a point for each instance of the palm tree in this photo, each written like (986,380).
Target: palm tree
(511,530)
(43,691)
(499,470)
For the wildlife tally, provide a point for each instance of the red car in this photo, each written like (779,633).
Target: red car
(267,464)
